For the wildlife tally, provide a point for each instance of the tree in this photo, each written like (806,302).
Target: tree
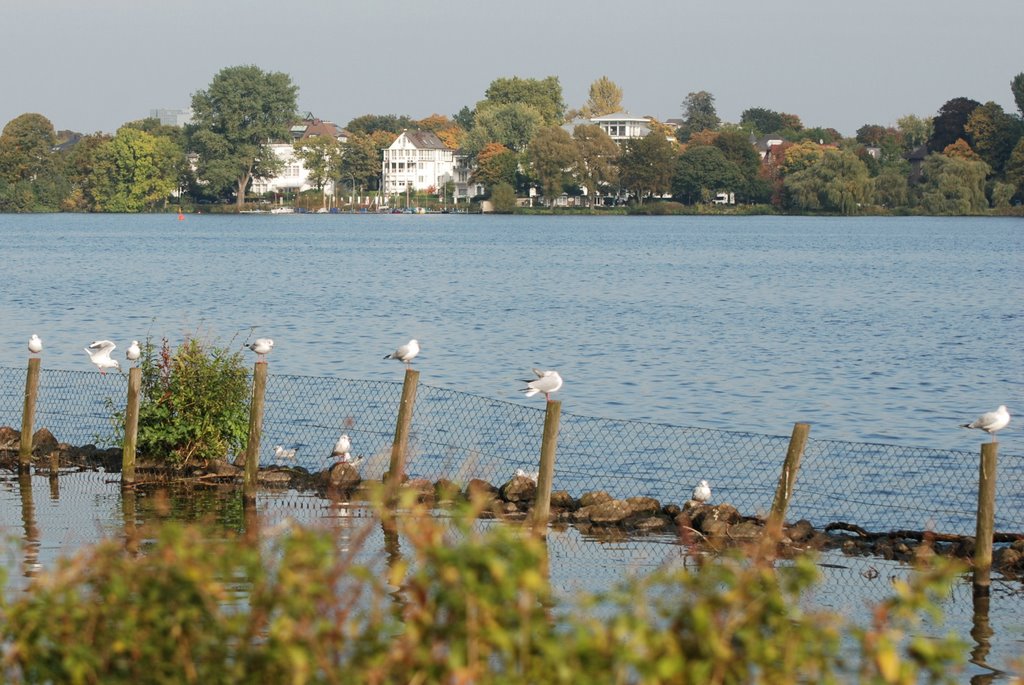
(736,147)
(597,154)
(553,156)
(544,95)
(994,133)
(1017,88)
(698,114)
(916,130)
(31,174)
(837,181)
(605,98)
(646,165)
(761,119)
(953,185)
(890,187)
(135,171)
(1015,168)
(496,164)
(701,171)
(512,125)
(360,157)
(791,122)
(81,169)
(371,123)
(503,198)
(948,124)
(464,118)
(321,155)
(243,109)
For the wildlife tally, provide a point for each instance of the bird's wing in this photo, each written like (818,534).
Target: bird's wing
(102,346)
(539,373)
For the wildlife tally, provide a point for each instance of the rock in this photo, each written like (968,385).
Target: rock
(343,476)
(43,442)
(884,549)
(480,488)
(650,524)
(715,529)
(560,499)
(702,515)
(446,491)
(423,487)
(519,489)
(965,548)
(801,531)
(643,506)
(591,498)
(10,439)
(274,477)
(671,510)
(222,468)
(745,530)
(1007,558)
(1017,545)
(608,513)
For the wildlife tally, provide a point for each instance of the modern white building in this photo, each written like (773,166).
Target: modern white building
(622,126)
(417,160)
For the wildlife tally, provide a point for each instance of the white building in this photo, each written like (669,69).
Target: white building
(293,176)
(417,160)
(622,126)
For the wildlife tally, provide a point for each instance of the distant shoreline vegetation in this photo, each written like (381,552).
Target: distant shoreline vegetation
(519,149)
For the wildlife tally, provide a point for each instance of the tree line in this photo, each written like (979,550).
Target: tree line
(966,159)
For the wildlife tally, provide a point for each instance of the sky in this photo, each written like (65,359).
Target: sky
(92,66)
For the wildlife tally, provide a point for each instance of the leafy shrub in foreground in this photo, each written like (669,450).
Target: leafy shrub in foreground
(464,603)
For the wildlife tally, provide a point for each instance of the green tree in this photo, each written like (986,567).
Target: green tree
(512,125)
(544,95)
(321,156)
(360,157)
(552,156)
(597,155)
(736,147)
(464,118)
(948,125)
(496,164)
(235,119)
(135,171)
(503,198)
(698,115)
(647,165)
(915,130)
(761,119)
(953,185)
(837,181)
(605,98)
(80,167)
(371,123)
(1015,169)
(993,134)
(890,189)
(703,170)
(1017,88)
(31,174)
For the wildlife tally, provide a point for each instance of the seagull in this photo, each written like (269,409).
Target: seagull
(133,352)
(35,345)
(99,352)
(546,382)
(992,421)
(281,452)
(406,352)
(532,475)
(342,447)
(701,493)
(262,347)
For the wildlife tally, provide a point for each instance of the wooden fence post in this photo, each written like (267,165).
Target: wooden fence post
(396,470)
(787,479)
(986,517)
(252,448)
(28,414)
(546,473)
(131,426)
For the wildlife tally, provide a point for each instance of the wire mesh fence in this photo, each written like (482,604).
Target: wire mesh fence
(458,436)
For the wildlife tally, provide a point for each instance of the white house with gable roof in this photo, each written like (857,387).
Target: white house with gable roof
(417,160)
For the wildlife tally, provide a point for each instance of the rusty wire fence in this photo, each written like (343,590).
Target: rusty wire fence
(458,436)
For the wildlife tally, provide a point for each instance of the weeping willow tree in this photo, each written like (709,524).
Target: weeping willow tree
(837,181)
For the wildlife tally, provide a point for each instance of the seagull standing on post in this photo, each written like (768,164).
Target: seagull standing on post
(546,382)
(35,345)
(262,347)
(99,353)
(990,422)
(406,353)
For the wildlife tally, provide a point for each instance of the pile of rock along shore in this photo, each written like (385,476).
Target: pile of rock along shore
(597,514)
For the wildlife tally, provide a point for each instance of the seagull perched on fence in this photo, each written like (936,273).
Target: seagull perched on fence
(133,352)
(406,352)
(282,452)
(262,347)
(992,421)
(701,493)
(342,447)
(35,344)
(546,382)
(99,353)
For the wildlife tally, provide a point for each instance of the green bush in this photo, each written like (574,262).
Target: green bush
(461,602)
(194,402)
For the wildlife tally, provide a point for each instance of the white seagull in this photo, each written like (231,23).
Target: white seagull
(532,475)
(701,493)
(992,421)
(282,452)
(35,345)
(262,347)
(134,351)
(406,352)
(342,447)
(99,352)
(546,382)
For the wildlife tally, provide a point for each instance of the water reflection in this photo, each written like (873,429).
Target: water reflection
(30,565)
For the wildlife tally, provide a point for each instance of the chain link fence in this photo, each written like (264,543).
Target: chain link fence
(458,436)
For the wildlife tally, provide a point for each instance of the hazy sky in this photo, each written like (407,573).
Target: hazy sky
(93,65)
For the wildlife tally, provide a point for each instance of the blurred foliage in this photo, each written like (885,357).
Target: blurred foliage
(462,601)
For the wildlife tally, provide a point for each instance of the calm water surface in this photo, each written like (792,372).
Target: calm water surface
(873,329)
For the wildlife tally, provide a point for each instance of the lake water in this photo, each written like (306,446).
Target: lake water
(889,330)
